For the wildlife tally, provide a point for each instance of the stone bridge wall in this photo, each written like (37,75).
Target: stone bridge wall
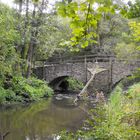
(116,70)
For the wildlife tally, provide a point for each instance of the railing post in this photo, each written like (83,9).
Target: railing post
(33,66)
(44,71)
(85,68)
(110,75)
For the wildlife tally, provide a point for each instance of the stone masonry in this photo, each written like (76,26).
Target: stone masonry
(115,71)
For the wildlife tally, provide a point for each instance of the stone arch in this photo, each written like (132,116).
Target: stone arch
(126,82)
(119,81)
(61,84)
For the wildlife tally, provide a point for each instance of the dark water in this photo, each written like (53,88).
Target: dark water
(40,120)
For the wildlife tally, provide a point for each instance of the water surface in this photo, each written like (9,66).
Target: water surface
(38,121)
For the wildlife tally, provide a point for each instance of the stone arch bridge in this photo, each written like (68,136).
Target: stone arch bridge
(56,69)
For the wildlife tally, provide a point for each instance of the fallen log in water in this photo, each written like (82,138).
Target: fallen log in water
(93,71)
(2,136)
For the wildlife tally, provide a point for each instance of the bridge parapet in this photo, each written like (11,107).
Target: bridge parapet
(77,68)
(80,59)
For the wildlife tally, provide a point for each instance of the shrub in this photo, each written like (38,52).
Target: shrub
(74,84)
(2,95)
(33,87)
(118,119)
(7,96)
(23,90)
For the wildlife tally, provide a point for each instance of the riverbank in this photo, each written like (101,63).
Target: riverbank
(118,118)
(18,89)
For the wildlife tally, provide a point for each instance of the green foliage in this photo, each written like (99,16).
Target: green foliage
(16,34)
(129,47)
(118,119)
(115,125)
(134,91)
(85,17)
(53,36)
(137,73)
(135,29)
(132,46)
(9,37)
(126,51)
(33,87)
(74,84)
(24,90)
(67,135)
(133,10)
(2,95)
(8,96)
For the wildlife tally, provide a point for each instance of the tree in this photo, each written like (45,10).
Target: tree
(133,9)
(51,37)
(129,48)
(8,41)
(41,32)
(85,20)
(31,19)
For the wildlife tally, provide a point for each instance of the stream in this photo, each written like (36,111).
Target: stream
(43,119)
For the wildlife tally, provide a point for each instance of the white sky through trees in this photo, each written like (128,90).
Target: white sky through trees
(10,2)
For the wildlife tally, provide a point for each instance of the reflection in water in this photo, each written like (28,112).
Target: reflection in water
(40,120)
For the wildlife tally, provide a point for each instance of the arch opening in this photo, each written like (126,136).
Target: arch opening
(126,82)
(60,84)
(66,84)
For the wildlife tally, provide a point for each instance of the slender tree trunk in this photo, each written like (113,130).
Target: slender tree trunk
(20,7)
(17,66)
(36,22)
(31,45)
(25,46)
(23,32)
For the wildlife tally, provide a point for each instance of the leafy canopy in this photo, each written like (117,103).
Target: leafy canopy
(8,38)
(85,16)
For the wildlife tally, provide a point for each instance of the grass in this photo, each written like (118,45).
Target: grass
(117,119)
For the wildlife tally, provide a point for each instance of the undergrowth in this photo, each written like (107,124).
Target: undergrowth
(74,84)
(21,89)
(118,119)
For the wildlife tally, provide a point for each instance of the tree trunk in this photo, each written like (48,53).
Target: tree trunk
(36,22)
(31,45)
(24,45)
